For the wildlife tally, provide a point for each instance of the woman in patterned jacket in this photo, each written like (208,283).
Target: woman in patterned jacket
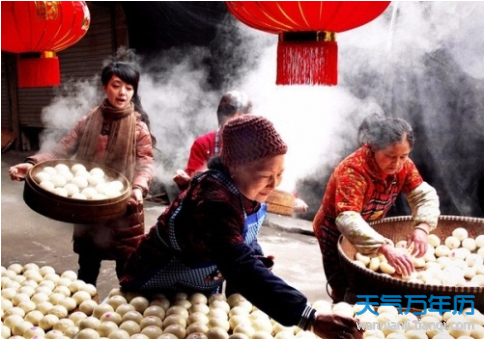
(115,134)
(209,233)
(362,188)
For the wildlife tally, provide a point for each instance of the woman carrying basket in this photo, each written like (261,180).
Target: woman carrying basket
(115,134)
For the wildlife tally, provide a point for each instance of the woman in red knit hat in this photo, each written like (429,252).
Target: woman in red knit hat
(209,233)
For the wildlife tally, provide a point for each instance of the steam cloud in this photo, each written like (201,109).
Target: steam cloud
(419,60)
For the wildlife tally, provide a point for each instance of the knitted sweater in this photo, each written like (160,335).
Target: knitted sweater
(209,228)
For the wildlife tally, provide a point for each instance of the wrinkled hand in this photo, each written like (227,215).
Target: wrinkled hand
(300,205)
(398,259)
(419,238)
(334,326)
(19,171)
(136,198)
(181,178)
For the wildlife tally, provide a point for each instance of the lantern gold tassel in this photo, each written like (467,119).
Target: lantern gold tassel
(307,58)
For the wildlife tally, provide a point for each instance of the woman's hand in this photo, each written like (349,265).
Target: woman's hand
(181,178)
(419,238)
(136,198)
(300,206)
(334,326)
(398,259)
(19,171)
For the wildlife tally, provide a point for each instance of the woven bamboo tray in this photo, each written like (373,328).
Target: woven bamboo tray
(368,282)
(75,210)
(280,202)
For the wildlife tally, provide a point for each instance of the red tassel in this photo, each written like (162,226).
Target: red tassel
(38,72)
(307,62)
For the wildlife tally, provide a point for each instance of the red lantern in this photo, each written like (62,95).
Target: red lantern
(39,29)
(307,52)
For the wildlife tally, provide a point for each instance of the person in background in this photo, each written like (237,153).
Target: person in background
(362,188)
(209,233)
(232,104)
(115,134)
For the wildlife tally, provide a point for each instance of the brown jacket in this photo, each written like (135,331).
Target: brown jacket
(121,236)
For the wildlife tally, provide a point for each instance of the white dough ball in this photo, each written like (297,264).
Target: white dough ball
(61,192)
(102,187)
(99,196)
(46,270)
(480,252)
(71,189)
(469,243)
(89,193)
(442,250)
(47,185)
(111,193)
(98,172)
(50,170)
(61,167)
(474,260)
(452,242)
(478,280)
(79,196)
(117,185)
(80,181)
(78,167)
(480,269)
(470,272)
(42,176)
(480,241)
(95,180)
(460,233)
(83,174)
(67,175)
(434,240)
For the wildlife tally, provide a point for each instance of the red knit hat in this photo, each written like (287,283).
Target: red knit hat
(248,138)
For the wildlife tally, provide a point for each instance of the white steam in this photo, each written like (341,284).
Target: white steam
(319,123)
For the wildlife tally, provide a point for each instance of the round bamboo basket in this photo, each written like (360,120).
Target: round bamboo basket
(73,210)
(367,282)
(280,202)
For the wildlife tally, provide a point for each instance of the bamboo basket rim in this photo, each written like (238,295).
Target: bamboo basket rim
(401,283)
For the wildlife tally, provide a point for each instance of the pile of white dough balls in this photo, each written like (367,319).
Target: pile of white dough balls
(394,325)
(457,261)
(78,183)
(39,303)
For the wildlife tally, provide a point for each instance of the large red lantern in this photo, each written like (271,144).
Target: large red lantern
(39,29)
(307,52)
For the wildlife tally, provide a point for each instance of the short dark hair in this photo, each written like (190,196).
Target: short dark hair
(380,132)
(231,103)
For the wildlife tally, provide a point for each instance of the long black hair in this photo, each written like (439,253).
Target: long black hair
(128,73)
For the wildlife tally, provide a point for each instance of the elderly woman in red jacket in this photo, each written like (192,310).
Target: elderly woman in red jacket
(209,233)
(115,134)
(362,188)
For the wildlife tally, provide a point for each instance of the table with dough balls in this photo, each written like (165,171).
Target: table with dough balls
(40,303)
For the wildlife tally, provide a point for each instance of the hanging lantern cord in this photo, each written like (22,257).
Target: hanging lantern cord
(307,36)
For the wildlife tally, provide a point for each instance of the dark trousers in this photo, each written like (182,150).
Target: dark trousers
(90,265)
